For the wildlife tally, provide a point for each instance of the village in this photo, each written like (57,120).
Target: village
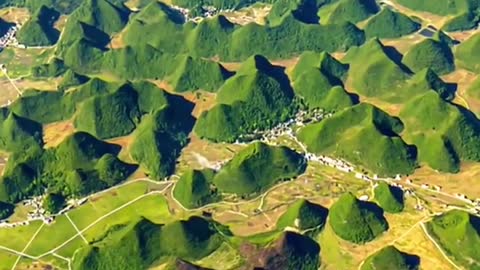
(302,118)
(39,213)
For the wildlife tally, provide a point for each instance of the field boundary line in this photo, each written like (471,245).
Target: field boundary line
(76,228)
(69,261)
(28,245)
(439,247)
(98,220)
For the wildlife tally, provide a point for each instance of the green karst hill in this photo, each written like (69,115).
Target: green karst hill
(195,73)
(4,26)
(140,244)
(51,106)
(231,42)
(53,68)
(465,12)
(443,133)
(195,188)
(390,198)
(112,115)
(390,24)
(373,71)
(317,91)
(257,97)
(6,210)
(303,10)
(18,133)
(458,234)
(102,15)
(80,149)
(264,88)
(303,215)
(317,79)
(76,31)
(39,29)
(139,62)
(328,37)
(72,79)
(327,64)
(363,135)
(443,37)
(390,257)
(291,251)
(159,139)
(80,165)
(465,21)
(53,203)
(474,89)
(430,54)
(466,53)
(209,36)
(154,16)
(348,10)
(424,81)
(356,221)
(257,168)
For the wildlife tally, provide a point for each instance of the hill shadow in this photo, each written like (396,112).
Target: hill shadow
(375,209)
(396,57)
(451,91)
(413,261)
(397,193)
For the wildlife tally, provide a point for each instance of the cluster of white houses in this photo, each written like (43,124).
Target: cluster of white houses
(39,213)
(9,37)
(300,119)
(208,12)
